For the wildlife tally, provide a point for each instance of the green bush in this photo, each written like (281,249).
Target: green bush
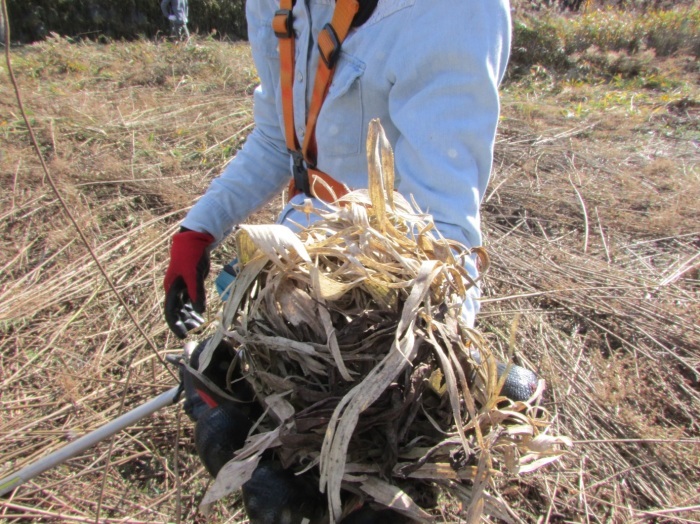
(557,42)
(538,41)
(666,32)
(607,30)
(32,20)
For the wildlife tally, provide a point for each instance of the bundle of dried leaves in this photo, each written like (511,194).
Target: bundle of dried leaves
(351,334)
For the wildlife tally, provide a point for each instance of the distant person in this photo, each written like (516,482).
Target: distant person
(176,12)
(2,27)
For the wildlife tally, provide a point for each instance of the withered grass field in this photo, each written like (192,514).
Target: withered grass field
(592,223)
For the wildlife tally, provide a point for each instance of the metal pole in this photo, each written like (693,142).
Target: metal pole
(59,456)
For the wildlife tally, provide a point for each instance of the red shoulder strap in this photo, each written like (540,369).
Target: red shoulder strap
(330,40)
(283,25)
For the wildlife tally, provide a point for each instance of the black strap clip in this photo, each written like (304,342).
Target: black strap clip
(301,174)
(332,57)
(283,23)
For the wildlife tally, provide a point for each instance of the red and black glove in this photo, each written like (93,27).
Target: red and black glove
(185,298)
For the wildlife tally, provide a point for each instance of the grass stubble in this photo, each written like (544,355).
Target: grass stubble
(591,224)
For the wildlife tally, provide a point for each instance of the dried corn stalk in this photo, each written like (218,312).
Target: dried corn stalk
(351,334)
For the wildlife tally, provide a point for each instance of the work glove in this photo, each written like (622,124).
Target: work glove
(185,298)
(274,494)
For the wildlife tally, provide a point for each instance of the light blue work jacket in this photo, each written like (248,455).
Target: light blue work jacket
(428,69)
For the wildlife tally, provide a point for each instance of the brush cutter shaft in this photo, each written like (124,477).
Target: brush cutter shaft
(59,456)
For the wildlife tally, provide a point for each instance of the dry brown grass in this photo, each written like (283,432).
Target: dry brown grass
(592,226)
(594,232)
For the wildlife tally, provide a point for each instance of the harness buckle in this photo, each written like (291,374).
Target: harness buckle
(328,37)
(301,174)
(283,23)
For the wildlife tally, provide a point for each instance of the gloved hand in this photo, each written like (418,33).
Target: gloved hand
(184,281)
(274,494)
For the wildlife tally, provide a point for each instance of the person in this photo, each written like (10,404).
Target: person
(176,11)
(428,69)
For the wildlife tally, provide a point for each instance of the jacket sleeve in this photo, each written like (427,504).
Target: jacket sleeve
(181,9)
(260,170)
(445,105)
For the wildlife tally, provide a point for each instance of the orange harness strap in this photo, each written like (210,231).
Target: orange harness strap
(283,26)
(307,179)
